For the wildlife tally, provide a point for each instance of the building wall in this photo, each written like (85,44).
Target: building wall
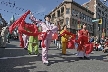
(82,16)
(101,11)
(90,5)
(68,17)
(2,22)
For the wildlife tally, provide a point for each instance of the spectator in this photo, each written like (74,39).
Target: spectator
(3,36)
(92,39)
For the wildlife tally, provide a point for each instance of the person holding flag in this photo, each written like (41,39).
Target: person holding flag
(83,39)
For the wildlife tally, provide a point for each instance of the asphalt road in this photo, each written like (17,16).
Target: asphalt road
(15,59)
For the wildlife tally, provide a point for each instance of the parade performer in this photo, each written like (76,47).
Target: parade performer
(83,39)
(24,28)
(27,29)
(64,39)
(33,44)
(49,29)
(4,33)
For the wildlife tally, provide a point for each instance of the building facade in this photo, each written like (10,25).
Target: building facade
(100,12)
(73,15)
(2,22)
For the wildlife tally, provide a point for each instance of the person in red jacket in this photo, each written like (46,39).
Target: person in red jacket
(81,48)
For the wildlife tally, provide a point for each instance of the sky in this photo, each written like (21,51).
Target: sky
(42,7)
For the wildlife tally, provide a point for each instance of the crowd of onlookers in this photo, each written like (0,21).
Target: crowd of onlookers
(100,44)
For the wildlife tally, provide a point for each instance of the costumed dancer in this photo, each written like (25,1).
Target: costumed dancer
(81,48)
(4,36)
(33,44)
(50,29)
(64,39)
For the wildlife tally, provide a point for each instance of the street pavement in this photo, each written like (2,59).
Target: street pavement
(16,59)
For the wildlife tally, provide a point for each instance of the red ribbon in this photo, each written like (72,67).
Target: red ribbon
(68,33)
(13,26)
(32,29)
(43,39)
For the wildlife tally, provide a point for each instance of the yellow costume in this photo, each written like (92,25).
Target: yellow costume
(64,40)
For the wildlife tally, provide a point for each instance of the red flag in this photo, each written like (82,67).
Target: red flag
(89,48)
(70,45)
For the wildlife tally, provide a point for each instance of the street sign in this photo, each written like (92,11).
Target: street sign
(95,20)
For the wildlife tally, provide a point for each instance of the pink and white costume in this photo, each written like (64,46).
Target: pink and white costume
(25,39)
(45,27)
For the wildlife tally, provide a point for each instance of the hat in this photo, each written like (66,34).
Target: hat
(47,16)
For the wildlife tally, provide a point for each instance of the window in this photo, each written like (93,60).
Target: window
(98,4)
(102,13)
(73,12)
(90,20)
(99,10)
(67,21)
(76,23)
(58,13)
(62,10)
(98,16)
(73,21)
(87,6)
(67,10)
(53,15)
(80,15)
(88,27)
(105,15)
(76,11)
(77,14)
(84,17)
